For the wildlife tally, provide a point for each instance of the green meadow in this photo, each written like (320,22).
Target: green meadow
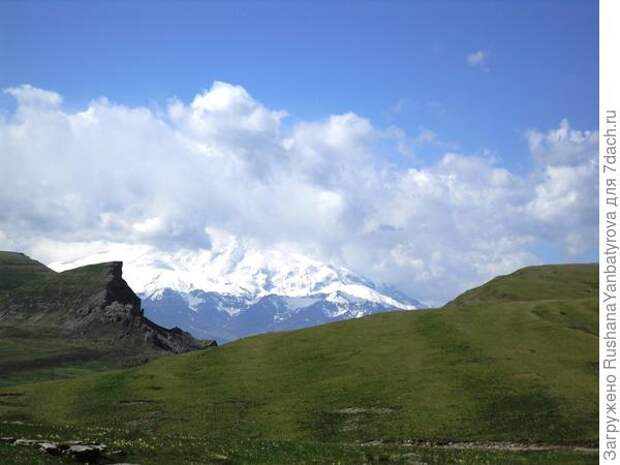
(502,368)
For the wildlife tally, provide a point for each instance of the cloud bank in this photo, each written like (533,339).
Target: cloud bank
(72,182)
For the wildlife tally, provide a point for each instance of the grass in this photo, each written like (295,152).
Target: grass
(31,355)
(496,364)
(196,449)
(17,269)
(536,283)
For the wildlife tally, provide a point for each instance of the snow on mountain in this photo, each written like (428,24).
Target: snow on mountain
(235,289)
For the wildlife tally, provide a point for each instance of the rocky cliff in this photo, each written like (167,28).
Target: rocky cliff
(88,302)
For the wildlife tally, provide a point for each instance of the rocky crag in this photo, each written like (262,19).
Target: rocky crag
(91,302)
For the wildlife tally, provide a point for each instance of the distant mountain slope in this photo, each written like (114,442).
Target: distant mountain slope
(91,307)
(227,317)
(513,367)
(235,289)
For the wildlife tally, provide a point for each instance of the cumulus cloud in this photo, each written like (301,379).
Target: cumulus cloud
(562,146)
(407,145)
(565,203)
(28,97)
(108,175)
(478,60)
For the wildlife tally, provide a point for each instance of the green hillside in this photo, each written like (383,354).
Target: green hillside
(497,364)
(549,282)
(17,269)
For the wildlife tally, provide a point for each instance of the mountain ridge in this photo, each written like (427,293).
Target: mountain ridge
(228,291)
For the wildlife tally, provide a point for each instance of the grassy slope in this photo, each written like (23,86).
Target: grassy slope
(27,354)
(496,364)
(549,282)
(17,269)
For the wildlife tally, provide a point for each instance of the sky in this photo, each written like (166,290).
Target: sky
(429,145)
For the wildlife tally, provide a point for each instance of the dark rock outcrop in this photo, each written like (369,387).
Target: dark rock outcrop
(116,309)
(92,302)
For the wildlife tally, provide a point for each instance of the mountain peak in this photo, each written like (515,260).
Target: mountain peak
(236,288)
(235,268)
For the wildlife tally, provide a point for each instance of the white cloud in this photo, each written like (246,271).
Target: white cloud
(28,96)
(565,200)
(407,145)
(74,182)
(478,59)
(562,146)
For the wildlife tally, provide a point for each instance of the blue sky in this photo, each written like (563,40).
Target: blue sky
(318,58)
(469,77)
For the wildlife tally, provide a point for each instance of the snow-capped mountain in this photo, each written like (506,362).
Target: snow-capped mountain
(234,289)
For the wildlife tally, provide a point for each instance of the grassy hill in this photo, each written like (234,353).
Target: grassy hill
(16,269)
(512,361)
(549,282)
